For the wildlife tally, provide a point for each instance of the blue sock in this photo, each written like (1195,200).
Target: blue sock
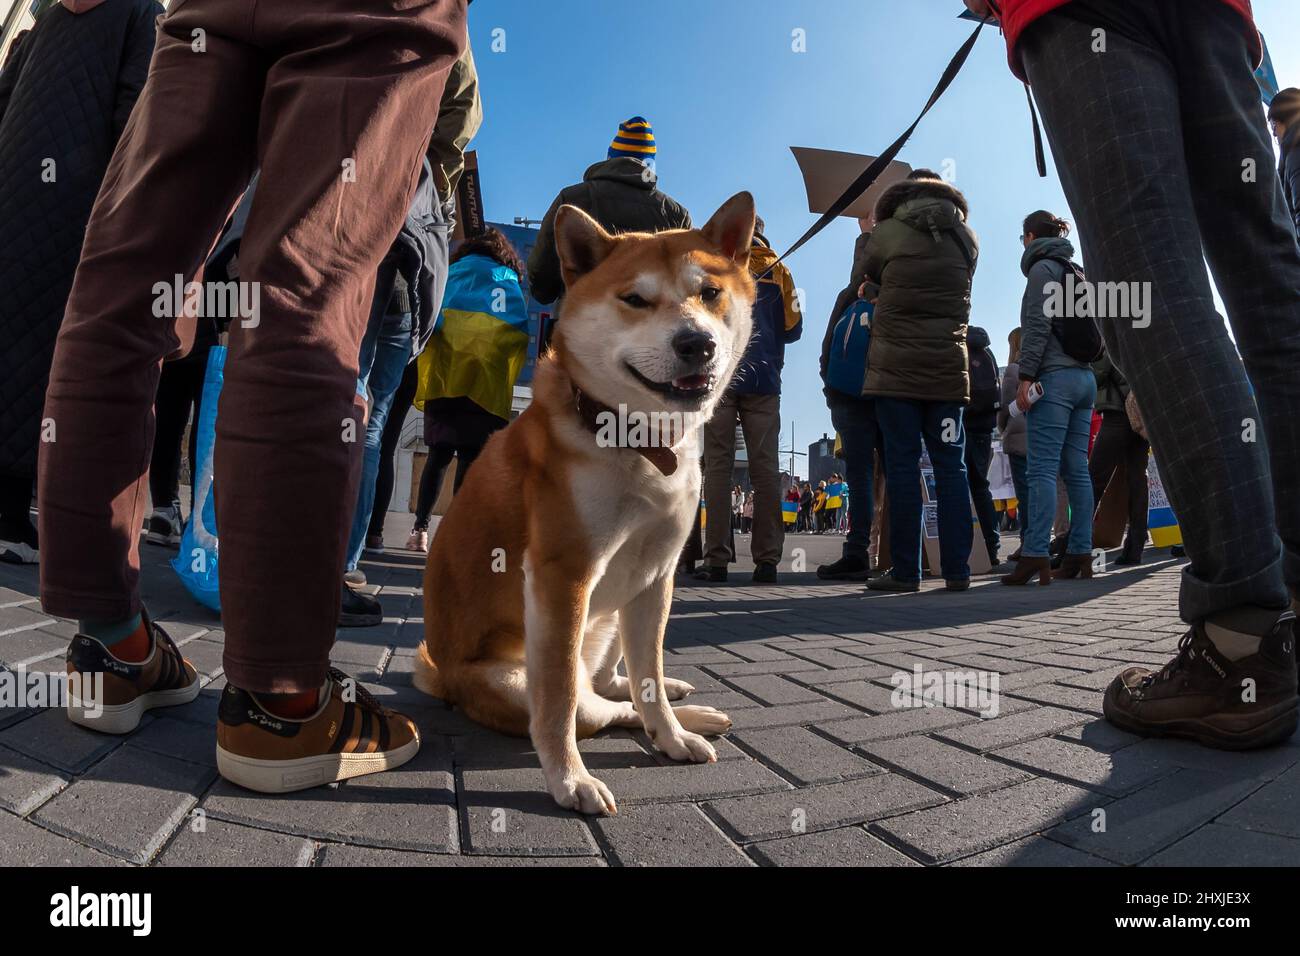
(109,633)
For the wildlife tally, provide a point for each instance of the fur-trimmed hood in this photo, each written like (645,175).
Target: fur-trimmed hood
(910,189)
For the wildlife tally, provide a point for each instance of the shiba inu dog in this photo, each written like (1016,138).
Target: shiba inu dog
(555,560)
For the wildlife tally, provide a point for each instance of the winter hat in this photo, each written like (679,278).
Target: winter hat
(636,138)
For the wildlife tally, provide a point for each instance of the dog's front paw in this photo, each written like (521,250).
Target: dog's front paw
(677,689)
(702,720)
(584,793)
(687,746)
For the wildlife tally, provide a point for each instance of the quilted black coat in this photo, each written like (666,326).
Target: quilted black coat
(64,100)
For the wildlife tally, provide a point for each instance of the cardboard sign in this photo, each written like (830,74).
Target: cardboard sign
(980,561)
(1162,525)
(827,173)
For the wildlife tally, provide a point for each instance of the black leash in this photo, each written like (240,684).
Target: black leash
(881,162)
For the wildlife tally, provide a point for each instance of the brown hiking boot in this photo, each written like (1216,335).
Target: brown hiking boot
(1201,695)
(350,735)
(163,679)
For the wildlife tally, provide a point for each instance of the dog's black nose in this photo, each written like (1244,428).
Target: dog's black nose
(693,346)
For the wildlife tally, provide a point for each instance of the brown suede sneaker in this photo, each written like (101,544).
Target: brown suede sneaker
(350,735)
(163,679)
(1201,695)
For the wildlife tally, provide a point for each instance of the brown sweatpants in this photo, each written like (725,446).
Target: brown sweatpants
(759,417)
(334,101)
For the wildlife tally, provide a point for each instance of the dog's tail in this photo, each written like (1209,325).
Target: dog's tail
(426,676)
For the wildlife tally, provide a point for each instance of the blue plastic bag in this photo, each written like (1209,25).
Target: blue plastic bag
(197,562)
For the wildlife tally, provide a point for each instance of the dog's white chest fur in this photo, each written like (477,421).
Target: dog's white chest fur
(636,525)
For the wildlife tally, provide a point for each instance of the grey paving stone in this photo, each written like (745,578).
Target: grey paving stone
(725,701)
(337,854)
(20,648)
(982,822)
(1058,695)
(694,676)
(511,813)
(694,782)
(183,739)
(412,807)
(750,668)
(1100,735)
(847,846)
(774,689)
(803,757)
(788,714)
(1114,774)
(1003,731)
(205,842)
(25,783)
(665,835)
(129,804)
(52,739)
(941,765)
(1265,764)
(756,651)
(866,696)
(769,816)
(23,843)
(1032,851)
(1217,845)
(826,656)
(898,724)
(1143,823)
(24,617)
(841,675)
(1271,809)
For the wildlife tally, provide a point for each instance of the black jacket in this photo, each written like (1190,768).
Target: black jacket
(1289,170)
(977,344)
(64,99)
(619,195)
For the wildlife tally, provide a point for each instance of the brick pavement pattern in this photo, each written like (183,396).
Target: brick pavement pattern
(820,768)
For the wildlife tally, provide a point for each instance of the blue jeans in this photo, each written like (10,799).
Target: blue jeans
(1059,424)
(385,350)
(855,420)
(1020,478)
(903,424)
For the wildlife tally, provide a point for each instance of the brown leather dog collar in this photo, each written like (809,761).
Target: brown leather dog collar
(589,411)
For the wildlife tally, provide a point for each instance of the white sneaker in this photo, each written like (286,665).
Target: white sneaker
(418,541)
(164,526)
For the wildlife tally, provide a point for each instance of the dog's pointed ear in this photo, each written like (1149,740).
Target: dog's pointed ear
(731,230)
(580,242)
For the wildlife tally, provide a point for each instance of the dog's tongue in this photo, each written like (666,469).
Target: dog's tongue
(691,382)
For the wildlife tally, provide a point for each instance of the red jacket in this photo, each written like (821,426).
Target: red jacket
(1018,14)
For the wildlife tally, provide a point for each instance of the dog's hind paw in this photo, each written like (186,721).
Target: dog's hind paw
(677,689)
(584,793)
(702,720)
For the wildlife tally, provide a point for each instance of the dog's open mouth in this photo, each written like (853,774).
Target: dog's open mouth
(686,388)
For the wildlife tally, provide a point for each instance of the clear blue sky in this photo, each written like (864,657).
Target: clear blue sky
(727,97)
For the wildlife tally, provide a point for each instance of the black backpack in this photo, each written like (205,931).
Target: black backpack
(985,389)
(1079,335)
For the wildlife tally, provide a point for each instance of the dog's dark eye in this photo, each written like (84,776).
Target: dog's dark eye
(710,293)
(635,301)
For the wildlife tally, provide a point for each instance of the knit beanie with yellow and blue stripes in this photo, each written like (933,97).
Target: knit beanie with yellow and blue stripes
(636,138)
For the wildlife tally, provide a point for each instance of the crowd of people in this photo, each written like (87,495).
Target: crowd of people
(355,326)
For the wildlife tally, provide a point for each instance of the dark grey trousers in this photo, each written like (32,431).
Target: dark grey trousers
(1155,140)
